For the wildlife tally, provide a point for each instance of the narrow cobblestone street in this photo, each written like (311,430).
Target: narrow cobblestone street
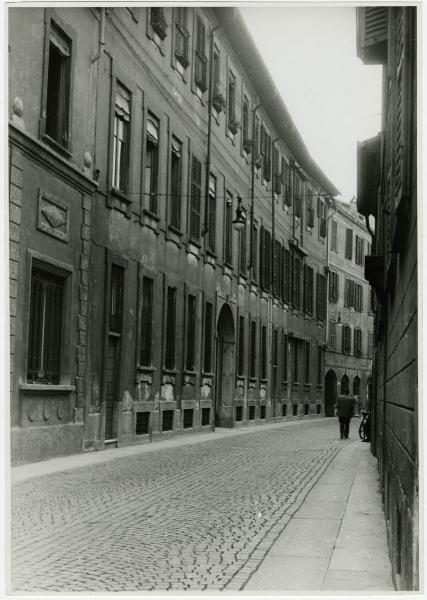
(193,517)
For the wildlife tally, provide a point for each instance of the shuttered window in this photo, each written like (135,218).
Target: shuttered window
(320,297)
(195,201)
(255,252)
(346,339)
(285,357)
(252,351)
(359,251)
(170,328)
(332,335)
(176,179)
(334,237)
(241,347)
(228,234)
(263,352)
(211,217)
(191,333)
(309,208)
(333,286)
(286,276)
(296,282)
(116,298)
(357,342)
(207,363)
(307,362)
(370,343)
(146,321)
(242,250)
(308,289)
(349,243)
(152,163)
(275,356)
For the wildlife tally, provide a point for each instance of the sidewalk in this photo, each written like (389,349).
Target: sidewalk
(336,539)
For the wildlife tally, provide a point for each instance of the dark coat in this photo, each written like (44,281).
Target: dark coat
(345,406)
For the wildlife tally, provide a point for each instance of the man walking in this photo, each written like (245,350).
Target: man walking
(345,410)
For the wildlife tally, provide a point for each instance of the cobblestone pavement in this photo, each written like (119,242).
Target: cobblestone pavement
(198,517)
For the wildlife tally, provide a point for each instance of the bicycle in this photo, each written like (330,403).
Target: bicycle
(365,427)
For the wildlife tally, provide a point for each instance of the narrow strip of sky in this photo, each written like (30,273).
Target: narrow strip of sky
(333,98)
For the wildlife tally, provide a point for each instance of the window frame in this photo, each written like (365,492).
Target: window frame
(175,199)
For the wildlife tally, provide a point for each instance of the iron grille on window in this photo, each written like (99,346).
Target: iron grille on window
(191,332)
(58,86)
(285,358)
(241,346)
(251,413)
(208,338)
(167,420)
(45,327)
(121,139)
(142,423)
(187,421)
(170,328)
(239,411)
(262,411)
(146,321)
(116,298)
(158,22)
(252,350)
(181,36)
(263,352)
(307,363)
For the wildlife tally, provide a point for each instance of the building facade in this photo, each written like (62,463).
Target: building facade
(387,189)
(169,238)
(348,358)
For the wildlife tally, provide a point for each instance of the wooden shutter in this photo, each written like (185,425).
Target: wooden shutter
(349,243)
(196,195)
(372,33)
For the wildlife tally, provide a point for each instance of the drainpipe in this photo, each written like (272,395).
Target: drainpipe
(251,233)
(208,150)
(272,278)
(101,42)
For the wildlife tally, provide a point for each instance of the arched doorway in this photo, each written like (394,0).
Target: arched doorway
(224,404)
(345,385)
(330,393)
(356,386)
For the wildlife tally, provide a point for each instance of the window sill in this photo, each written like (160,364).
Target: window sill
(149,368)
(120,195)
(46,387)
(174,235)
(56,146)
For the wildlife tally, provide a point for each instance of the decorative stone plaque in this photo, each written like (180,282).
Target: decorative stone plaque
(53,216)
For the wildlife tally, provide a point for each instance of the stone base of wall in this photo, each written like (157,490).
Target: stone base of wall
(32,444)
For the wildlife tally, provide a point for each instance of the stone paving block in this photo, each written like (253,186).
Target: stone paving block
(307,537)
(360,559)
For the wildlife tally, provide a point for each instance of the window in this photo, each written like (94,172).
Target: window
(158,22)
(277,269)
(297,196)
(308,290)
(252,351)
(152,162)
(257,143)
(181,36)
(286,276)
(357,342)
(310,209)
(266,153)
(187,421)
(356,386)
(228,249)
(142,423)
(200,59)
(332,335)
(207,365)
(231,100)
(345,385)
(296,282)
(242,250)
(116,298)
(307,363)
(45,327)
(216,70)
(358,297)
(241,347)
(191,333)
(320,296)
(334,236)
(170,328)
(263,352)
(176,182)
(146,321)
(333,286)
(370,343)
(346,339)
(58,86)
(265,259)
(348,293)
(121,139)
(275,356)
(277,174)
(211,216)
(359,251)
(255,252)
(321,214)
(286,177)
(295,365)
(206,416)
(195,200)
(285,358)
(319,365)
(245,124)
(349,243)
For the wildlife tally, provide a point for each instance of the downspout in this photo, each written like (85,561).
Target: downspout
(209,138)
(251,233)
(272,277)
(101,42)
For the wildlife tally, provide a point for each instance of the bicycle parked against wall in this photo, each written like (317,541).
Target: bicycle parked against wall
(365,426)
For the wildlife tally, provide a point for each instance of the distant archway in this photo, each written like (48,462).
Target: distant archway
(330,393)
(345,385)
(225,368)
